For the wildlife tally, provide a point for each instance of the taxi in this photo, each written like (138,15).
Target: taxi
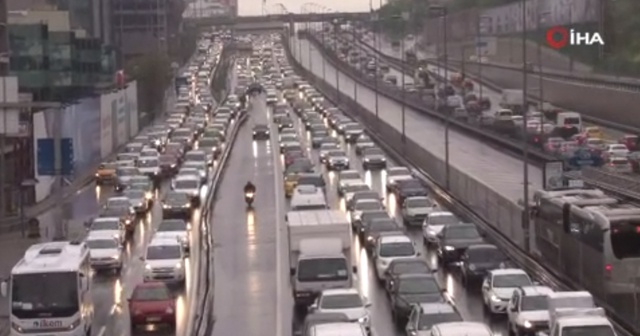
(592,132)
(106,173)
(290,183)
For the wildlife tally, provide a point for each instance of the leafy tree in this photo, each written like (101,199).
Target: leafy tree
(392,23)
(153,74)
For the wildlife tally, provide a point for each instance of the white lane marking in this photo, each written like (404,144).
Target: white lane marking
(279,217)
(102,331)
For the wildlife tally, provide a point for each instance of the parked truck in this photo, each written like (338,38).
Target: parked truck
(320,254)
(575,313)
(513,99)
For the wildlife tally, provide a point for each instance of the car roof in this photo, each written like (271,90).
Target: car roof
(508,271)
(186,177)
(461,328)
(339,291)
(158,241)
(436,308)
(395,238)
(106,219)
(100,235)
(441,213)
(482,247)
(338,329)
(536,290)
(118,198)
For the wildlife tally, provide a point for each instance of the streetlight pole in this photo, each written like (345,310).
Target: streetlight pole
(525,144)
(402,58)
(355,84)
(375,79)
(324,61)
(335,39)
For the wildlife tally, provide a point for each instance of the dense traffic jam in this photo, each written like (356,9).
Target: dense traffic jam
(48,285)
(555,131)
(318,143)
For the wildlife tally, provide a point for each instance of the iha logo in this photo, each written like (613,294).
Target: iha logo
(558,37)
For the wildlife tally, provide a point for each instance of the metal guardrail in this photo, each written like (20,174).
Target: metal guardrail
(619,184)
(204,320)
(397,63)
(513,145)
(494,231)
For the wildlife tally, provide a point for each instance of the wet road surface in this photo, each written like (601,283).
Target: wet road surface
(499,170)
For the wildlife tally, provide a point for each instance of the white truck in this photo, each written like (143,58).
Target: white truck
(513,99)
(320,254)
(572,313)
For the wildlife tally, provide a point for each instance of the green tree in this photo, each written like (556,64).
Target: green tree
(153,74)
(390,17)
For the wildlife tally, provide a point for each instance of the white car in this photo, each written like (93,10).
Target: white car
(337,160)
(200,166)
(148,153)
(498,286)
(324,150)
(110,226)
(350,189)
(364,205)
(175,229)
(346,177)
(528,310)
(138,200)
(415,209)
(149,166)
(347,301)
(392,247)
(189,185)
(164,261)
(396,174)
(461,329)
(617,150)
(105,251)
(433,224)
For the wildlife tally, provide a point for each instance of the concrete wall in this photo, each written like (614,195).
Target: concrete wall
(97,125)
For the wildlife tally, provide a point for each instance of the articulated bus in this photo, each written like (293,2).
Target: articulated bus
(592,238)
(50,291)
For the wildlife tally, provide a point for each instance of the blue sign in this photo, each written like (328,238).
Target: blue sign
(46,157)
(583,157)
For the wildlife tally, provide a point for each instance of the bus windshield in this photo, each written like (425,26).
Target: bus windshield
(625,239)
(44,295)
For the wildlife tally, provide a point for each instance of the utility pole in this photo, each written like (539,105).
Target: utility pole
(61,225)
(525,144)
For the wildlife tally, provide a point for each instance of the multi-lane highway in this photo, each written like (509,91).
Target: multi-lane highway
(499,170)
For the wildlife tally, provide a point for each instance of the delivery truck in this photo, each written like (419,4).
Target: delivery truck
(573,313)
(320,255)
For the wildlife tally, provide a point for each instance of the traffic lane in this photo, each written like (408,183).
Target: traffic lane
(244,243)
(497,169)
(468,301)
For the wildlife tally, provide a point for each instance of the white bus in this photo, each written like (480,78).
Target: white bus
(50,291)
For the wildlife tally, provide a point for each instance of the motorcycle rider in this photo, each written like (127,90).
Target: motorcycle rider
(249,188)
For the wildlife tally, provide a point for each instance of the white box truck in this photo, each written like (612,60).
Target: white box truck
(572,313)
(320,255)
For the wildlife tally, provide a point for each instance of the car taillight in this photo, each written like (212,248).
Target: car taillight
(608,268)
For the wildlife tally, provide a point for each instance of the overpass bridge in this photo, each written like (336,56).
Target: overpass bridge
(272,21)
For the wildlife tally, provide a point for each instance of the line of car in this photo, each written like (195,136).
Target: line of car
(183,149)
(419,305)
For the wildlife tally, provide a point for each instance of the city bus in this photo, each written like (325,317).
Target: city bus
(49,291)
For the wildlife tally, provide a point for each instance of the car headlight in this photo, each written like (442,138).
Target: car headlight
(116,257)
(472,267)
(527,324)
(364,319)
(449,248)
(495,298)
(166,206)
(370,239)
(186,205)
(431,232)
(140,204)
(147,267)
(178,266)
(148,195)
(367,159)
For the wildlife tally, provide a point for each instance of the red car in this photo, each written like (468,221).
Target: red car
(631,141)
(152,303)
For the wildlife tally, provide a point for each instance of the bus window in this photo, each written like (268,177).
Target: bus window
(625,239)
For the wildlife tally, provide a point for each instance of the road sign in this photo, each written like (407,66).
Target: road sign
(46,157)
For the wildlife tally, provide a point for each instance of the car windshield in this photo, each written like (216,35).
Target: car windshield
(342,301)
(417,203)
(323,269)
(151,293)
(400,249)
(535,302)
(361,206)
(161,252)
(207,143)
(127,171)
(373,151)
(337,153)
(355,188)
(106,225)
(443,219)
(351,175)
(134,194)
(406,266)
(118,203)
(429,320)
(418,285)
(172,225)
(366,195)
(102,243)
(186,184)
(260,128)
(383,224)
(462,232)
(195,156)
(399,172)
(167,159)
(511,280)
(176,197)
(44,294)
(486,255)
(597,330)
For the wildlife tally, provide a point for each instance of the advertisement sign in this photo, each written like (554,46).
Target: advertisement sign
(553,175)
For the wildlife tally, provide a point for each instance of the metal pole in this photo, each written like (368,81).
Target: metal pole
(448,115)
(404,135)
(3,155)
(308,28)
(324,61)
(479,54)
(355,84)
(375,80)
(525,144)
(335,33)
(60,228)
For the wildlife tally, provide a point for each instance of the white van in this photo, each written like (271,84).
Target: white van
(569,119)
(308,197)
(461,329)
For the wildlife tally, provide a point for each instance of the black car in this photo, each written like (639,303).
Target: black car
(261,132)
(373,158)
(377,226)
(479,259)
(408,188)
(425,316)
(405,290)
(454,239)
(285,122)
(176,205)
(367,217)
(405,266)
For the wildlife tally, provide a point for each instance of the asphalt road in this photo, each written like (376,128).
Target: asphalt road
(499,170)
(252,294)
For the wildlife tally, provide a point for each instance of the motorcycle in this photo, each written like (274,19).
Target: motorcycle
(248,198)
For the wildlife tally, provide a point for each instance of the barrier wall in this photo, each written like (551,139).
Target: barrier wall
(97,126)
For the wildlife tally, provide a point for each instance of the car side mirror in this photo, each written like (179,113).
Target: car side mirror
(141,258)
(537,283)
(286,217)
(292,271)
(355,269)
